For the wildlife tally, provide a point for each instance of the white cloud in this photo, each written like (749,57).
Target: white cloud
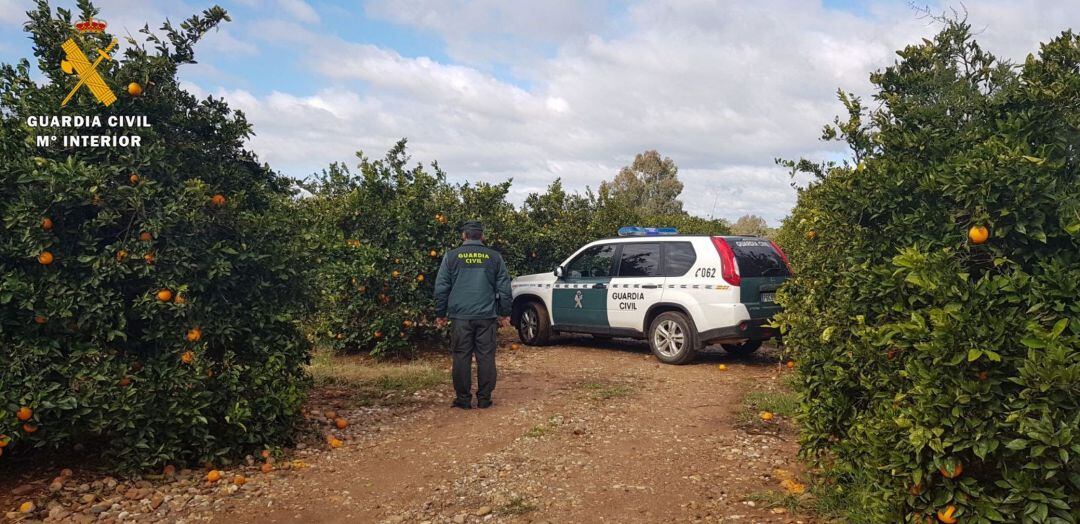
(13,12)
(721,87)
(300,10)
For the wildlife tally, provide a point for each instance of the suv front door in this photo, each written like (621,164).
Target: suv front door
(579,300)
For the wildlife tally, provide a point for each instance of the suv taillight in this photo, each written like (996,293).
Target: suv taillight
(782,256)
(728,269)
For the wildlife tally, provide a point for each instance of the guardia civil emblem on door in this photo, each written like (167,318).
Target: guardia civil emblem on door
(577,300)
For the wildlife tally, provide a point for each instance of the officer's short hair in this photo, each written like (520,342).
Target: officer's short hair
(474,234)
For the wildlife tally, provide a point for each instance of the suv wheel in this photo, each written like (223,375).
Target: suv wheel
(745,348)
(672,338)
(533,326)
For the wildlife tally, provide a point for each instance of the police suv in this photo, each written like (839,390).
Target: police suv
(680,292)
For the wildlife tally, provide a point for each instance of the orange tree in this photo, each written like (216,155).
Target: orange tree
(938,361)
(378,238)
(145,293)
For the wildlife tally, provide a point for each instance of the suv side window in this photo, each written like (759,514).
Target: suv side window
(640,260)
(593,262)
(679,257)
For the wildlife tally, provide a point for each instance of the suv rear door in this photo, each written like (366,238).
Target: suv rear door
(638,283)
(762,269)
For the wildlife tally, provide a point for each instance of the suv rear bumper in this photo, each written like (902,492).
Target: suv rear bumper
(752,329)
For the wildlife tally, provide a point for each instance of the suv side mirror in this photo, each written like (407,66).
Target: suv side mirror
(559,270)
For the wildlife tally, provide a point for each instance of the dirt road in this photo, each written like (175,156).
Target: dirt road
(588,432)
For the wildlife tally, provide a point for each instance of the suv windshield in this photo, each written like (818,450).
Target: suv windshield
(757,258)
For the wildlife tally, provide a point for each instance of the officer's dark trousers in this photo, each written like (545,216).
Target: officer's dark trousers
(466,338)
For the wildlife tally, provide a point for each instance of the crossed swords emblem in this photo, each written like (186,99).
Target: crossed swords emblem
(77,62)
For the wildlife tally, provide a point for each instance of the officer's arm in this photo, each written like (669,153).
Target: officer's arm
(502,287)
(443,283)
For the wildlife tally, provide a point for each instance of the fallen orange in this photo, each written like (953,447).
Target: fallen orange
(213,476)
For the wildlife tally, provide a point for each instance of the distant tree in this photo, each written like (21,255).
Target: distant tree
(650,184)
(750,225)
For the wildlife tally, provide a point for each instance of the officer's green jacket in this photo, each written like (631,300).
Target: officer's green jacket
(472,283)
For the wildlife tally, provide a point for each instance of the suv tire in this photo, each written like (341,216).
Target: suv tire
(743,349)
(533,326)
(672,338)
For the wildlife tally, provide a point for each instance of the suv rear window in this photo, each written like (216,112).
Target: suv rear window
(757,258)
(640,260)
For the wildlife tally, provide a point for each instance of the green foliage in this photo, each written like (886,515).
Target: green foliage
(918,349)
(651,184)
(84,342)
(374,232)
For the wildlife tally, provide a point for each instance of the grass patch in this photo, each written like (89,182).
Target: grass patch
(372,380)
(820,500)
(518,506)
(598,390)
(781,403)
(538,431)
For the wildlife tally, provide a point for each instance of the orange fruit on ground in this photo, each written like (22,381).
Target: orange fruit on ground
(149,258)
(169,470)
(766,416)
(134,179)
(267,468)
(341,423)
(331,414)
(164,295)
(265,454)
(194,334)
(4,441)
(134,89)
(45,258)
(946,515)
(26,507)
(239,480)
(125,382)
(721,367)
(420,278)
(514,346)
(218,200)
(978,234)
(791,364)
(145,236)
(24,413)
(121,255)
(334,442)
(213,476)
(188,357)
(46,224)
(952,474)
(29,428)
(38,319)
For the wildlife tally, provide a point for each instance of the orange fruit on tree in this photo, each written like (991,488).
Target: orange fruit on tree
(953,473)
(24,413)
(134,178)
(218,200)
(179,299)
(194,334)
(38,319)
(239,480)
(121,255)
(766,415)
(946,515)
(4,441)
(134,89)
(124,382)
(213,476)
(149,258)
(378,334)
(341,423)
(145,236)
(267,468)
(164,295)
(187,357)
(420,277)
(791,364)
(407,323)
(434,253)
(29,427)
(45,258)
(915,489)
(811,234)
(395,273)
(983,375)
(265,454)
(46,224)
(978,234)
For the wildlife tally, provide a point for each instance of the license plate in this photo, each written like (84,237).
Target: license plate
(768,297)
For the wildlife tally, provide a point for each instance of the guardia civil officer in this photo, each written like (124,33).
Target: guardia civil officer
(473,290)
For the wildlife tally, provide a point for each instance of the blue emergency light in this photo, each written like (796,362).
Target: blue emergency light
(635,231)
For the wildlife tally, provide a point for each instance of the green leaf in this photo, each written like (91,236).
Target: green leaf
(974,354)
(1017,444)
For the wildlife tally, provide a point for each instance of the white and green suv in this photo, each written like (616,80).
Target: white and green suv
(680,292)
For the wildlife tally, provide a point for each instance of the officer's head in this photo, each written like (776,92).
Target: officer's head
(472,230)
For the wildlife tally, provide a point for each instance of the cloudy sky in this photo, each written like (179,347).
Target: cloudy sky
(535,91)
